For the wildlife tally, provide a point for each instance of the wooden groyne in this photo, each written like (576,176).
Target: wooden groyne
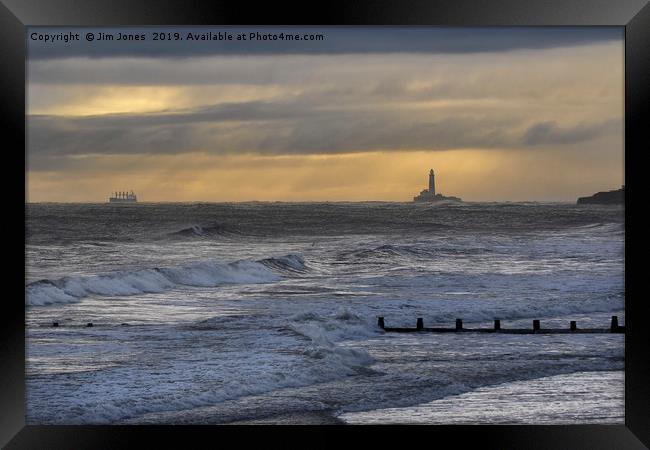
(536,328)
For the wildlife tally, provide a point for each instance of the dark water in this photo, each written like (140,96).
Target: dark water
(223,312)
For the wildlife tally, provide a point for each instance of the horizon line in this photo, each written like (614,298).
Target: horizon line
(301,201)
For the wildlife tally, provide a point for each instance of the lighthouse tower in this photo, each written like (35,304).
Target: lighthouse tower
(432,183)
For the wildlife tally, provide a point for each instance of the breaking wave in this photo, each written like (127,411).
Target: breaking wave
(288,265)
(324,332)
(207,231)
(155,280)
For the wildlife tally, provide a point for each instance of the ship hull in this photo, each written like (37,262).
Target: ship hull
(121,200)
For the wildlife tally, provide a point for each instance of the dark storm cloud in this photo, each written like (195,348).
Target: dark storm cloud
(275,128)
(224,112)
(337,40)
(550,133)
(257,127)
(323,101)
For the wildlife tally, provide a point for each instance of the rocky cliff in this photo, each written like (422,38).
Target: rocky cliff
(616,197)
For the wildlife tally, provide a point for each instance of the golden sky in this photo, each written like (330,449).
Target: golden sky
(516,124)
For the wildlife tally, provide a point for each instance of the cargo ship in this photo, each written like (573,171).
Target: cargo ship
(123,197)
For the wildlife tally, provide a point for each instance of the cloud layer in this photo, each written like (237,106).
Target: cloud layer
(549,92)
(335,40)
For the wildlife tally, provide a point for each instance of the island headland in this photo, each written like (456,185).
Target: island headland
(615,197)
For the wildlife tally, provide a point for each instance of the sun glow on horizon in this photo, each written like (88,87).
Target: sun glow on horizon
(528,124)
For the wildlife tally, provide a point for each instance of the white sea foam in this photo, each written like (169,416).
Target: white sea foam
(252,363)
(203,274)
(341,325)
(42,293)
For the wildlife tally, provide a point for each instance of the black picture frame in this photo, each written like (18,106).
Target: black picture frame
(634,15)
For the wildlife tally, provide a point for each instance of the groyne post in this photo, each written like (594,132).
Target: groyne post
(537,329)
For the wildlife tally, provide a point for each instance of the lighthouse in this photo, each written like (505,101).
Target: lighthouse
(429,195)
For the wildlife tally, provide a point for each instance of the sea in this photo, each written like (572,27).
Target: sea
(263,312)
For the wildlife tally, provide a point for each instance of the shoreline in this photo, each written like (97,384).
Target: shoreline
(575,398)
(294,418)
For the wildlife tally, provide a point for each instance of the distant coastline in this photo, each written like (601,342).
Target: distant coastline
(615,197)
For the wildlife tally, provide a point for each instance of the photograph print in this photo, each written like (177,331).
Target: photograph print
(325,225)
